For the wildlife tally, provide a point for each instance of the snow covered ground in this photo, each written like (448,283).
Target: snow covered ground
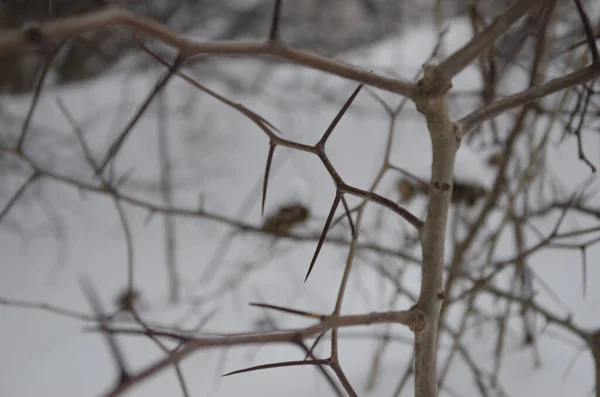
(218,159)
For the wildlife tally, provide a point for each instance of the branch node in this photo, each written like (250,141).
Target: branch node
(458,132)
(433,81)
(419,319)
(442,186)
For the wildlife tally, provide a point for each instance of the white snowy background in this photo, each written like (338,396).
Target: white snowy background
(219,159)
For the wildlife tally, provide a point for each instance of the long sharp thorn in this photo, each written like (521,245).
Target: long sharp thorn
(336,201)
(338,117)
(287,310)
(274,31)
(278,365)
(272,147)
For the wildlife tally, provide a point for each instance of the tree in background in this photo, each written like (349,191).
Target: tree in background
(537,63)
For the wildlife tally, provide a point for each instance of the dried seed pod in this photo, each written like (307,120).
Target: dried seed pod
(407,189)
(127,299)
(286,217)
(495,159)
(468,193)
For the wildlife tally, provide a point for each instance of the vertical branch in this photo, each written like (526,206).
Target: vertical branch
(381,348)
(589,31)
(41,79)
(129,245)
(597,368)
(166,191)
(444,135)
(165,349)
(116,146)
(117,354)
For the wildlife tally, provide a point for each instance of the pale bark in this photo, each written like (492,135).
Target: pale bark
(445,141)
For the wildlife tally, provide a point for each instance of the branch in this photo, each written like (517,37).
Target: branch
(456,62)
(318,149)
(47,307)
(201,213)
(18,194)
(41,80)
(116,146)
(548,315)
(16,40)
(445,140)
(492,110)
(589,32)
(412,318)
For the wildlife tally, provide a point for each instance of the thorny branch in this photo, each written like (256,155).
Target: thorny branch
(15,40)
(430,94)
(412,318)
